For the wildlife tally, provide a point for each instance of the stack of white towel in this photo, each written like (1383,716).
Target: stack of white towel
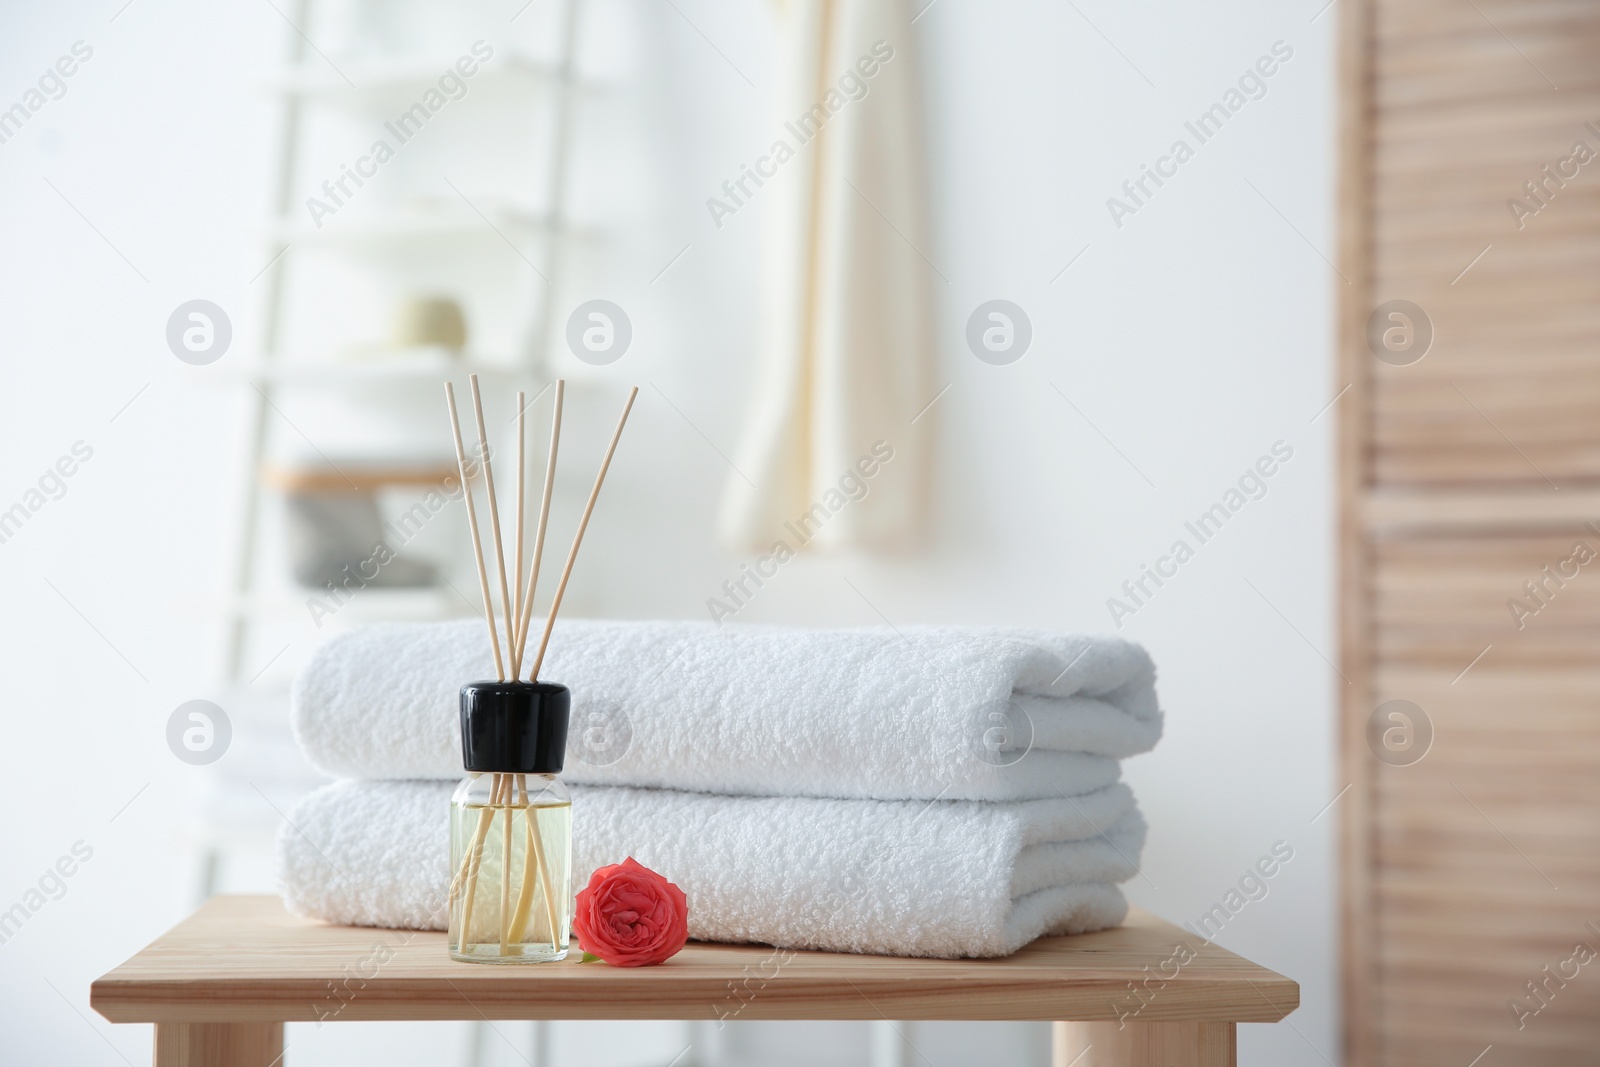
(917,792)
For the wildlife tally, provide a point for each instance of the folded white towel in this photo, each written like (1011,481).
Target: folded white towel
(905,878)
(756,710)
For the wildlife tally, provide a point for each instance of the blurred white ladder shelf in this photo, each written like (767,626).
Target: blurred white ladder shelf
(310,80)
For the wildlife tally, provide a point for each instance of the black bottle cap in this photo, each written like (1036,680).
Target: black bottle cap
(514,727)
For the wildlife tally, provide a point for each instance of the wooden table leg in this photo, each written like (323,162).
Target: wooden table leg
(1136,1044)
(219,1044)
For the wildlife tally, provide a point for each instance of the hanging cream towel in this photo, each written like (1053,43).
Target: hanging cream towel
(845,348)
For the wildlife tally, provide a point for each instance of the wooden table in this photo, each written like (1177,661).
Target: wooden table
(220,985)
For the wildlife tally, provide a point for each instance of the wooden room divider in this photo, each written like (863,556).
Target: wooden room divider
(1470,530)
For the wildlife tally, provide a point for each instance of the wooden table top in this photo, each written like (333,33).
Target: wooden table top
(243,958)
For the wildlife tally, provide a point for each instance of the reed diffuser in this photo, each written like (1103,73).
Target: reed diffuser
(511,819)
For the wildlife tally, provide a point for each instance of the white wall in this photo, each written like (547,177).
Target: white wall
(1188,341)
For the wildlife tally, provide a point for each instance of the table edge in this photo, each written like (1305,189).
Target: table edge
(299,1000)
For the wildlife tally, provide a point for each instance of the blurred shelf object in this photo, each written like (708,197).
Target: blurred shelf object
(353,477)
(369,604)
(368,79)
(444,222)
(427,365)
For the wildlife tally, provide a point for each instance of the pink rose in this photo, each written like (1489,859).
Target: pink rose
(630,916)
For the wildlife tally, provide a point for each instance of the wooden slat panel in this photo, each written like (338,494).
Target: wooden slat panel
(1434,264)
(1478,865)
(1439,52)
(1486,852)
(1432,160)
(1453,512)
(1465,583)
(1475,376)
(1463,115)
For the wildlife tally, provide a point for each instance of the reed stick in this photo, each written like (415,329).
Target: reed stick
(526,616)
(583,524)
(536,845)
(494,507)
(478,837)
(472,525)
(516,584)
(507,795)
(474,860)
(519,917)
(536,864)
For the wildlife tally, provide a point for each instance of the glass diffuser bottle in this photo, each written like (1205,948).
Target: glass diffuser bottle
(511,826)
